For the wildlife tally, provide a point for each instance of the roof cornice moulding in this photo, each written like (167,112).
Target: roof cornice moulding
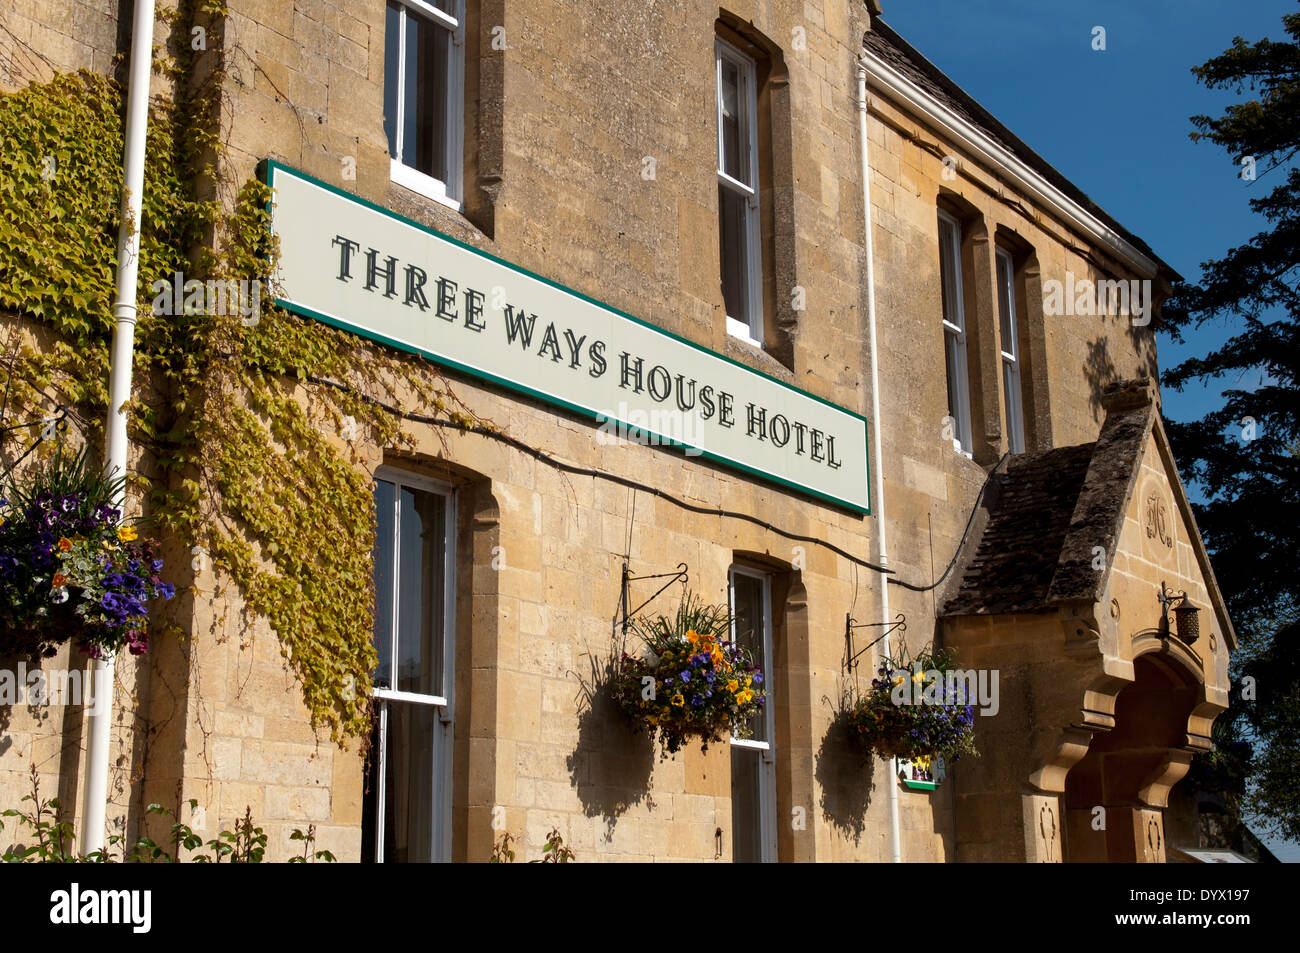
(885,78)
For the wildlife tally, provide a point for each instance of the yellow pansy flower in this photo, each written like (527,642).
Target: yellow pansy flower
(127,534)
(678,700)
(733,685)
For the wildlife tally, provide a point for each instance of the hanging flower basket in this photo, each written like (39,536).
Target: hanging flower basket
(68,570)
(691,684)
(914,711)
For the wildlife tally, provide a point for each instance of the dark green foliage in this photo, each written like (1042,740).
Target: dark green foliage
(1246,454)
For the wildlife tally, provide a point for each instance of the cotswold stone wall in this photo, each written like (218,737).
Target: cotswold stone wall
(558,127)
(42,38)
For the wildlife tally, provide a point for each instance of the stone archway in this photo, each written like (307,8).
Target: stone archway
(1115,795)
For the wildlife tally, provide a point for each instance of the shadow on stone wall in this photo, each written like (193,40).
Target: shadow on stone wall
(846,781)
(610,767)
(17,683)
(8,663)
(1100,370)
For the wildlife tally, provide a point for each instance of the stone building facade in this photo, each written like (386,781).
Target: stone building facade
(579,145)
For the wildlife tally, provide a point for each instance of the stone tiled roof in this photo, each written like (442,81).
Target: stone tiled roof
(1049,510)
(1099,512)
(882,42)
(1030,506)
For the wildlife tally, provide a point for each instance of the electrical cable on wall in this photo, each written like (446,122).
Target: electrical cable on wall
(634,485)
(970,521)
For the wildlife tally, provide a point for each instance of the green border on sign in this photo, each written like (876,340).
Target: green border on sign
(271,166)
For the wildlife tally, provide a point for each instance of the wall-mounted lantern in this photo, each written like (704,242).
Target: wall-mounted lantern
(1186,614)
(1187,618)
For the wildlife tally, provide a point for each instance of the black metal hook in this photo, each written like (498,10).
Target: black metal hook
(850,657)
(681,574)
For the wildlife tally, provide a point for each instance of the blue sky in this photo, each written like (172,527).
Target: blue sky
(1116,123)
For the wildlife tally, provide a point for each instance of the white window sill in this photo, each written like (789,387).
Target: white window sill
(739,329)
(394,695)
(421,184)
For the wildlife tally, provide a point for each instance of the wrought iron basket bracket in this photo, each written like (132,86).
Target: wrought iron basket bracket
(851,657)
(625,598)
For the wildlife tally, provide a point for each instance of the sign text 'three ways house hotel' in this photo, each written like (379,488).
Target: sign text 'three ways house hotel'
(365,269)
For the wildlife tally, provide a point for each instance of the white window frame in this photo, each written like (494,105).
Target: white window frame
(1008,332)
(443,738)
(767,749)
(748,327)
(954,336)
(447,193)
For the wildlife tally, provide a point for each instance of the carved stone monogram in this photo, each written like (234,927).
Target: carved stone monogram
(1153,508)
(1155,517)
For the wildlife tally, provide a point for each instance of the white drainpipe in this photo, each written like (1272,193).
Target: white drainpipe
(95,801)
(878,491)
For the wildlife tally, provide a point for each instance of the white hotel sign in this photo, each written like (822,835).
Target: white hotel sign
(362,268)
